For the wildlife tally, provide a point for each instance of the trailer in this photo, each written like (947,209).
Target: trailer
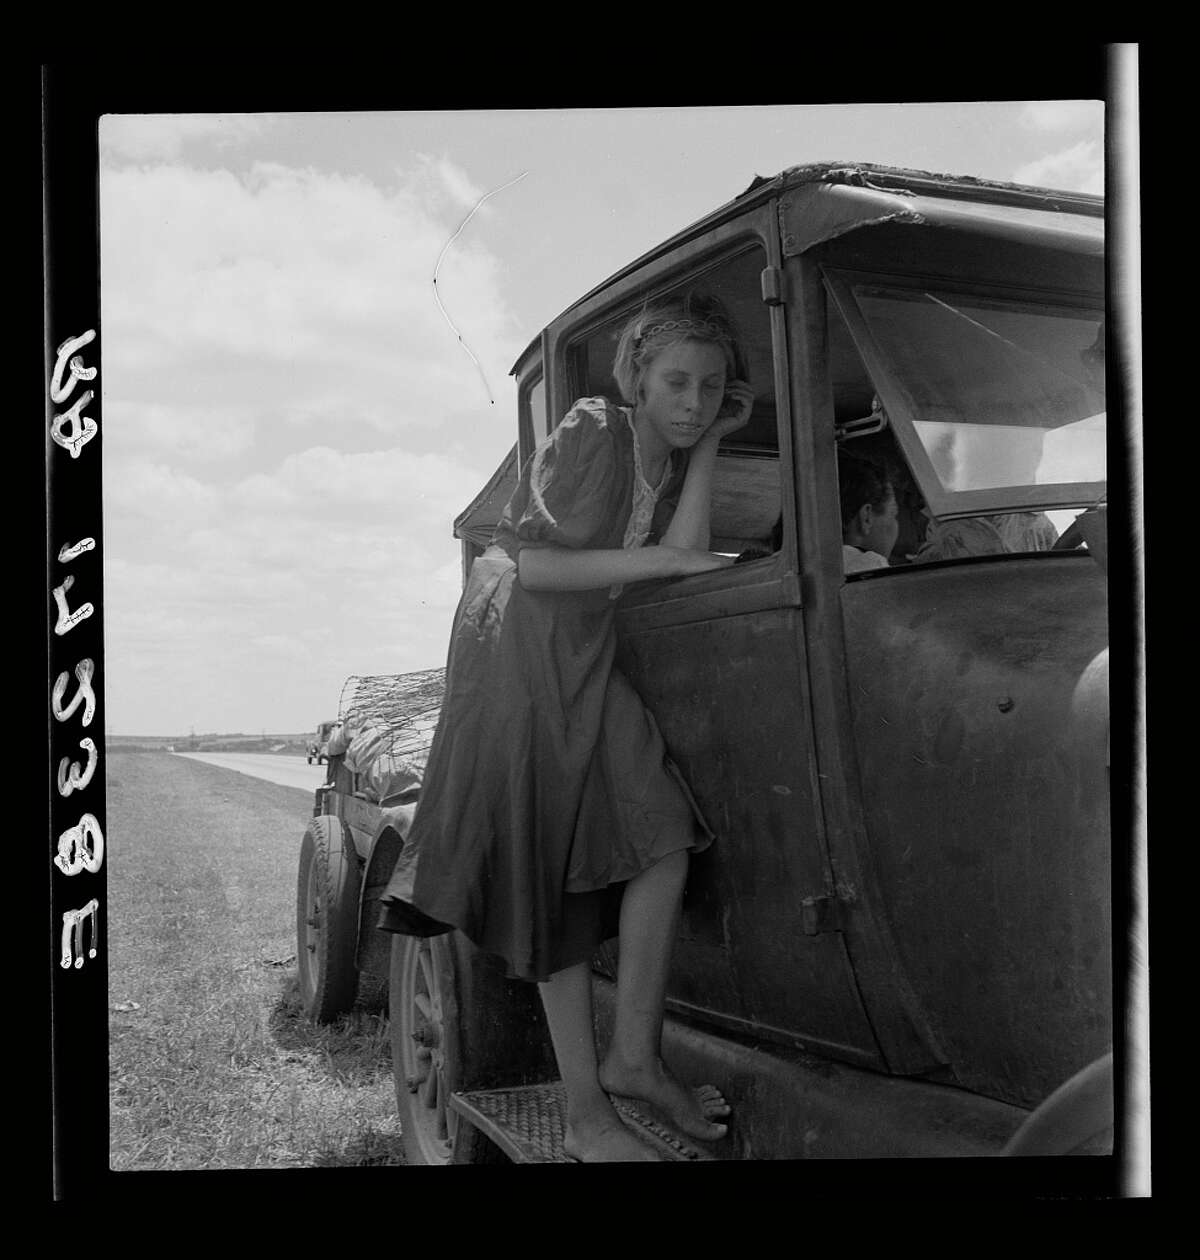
(376,754)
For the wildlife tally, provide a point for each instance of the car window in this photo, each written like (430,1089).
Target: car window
(746,487)
(998,402)
(867,432)
(534,420)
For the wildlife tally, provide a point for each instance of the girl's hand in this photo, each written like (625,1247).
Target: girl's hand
(734,412)
(692,560)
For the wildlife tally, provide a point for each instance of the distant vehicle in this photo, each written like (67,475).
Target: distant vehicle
(318,748)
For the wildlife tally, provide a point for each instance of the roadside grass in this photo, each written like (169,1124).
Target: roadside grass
(212,1062)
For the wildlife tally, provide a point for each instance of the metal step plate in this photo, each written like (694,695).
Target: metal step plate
(528,1123)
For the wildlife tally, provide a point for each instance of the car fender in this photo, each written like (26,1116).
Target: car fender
(374,945)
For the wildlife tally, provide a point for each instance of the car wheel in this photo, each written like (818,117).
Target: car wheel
(458,1023)
(326,920)
(426,1059)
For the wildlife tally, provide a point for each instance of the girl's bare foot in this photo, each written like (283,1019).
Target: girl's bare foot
(601,1139)
(693,1112)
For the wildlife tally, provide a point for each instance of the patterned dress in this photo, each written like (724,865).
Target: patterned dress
(548,785)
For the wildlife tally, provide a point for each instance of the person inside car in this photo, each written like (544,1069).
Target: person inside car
(870,513)
(870,516)
(1005,533)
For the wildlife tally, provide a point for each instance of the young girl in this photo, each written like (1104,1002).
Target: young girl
(551,818)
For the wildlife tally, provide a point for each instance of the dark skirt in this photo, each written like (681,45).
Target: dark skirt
(548,785)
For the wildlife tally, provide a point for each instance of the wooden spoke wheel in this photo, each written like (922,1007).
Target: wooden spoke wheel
(419,1058)
(431,1030)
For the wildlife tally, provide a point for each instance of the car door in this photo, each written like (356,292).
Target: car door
(720,659)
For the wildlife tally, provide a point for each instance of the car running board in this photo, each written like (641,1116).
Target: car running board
(527,1123)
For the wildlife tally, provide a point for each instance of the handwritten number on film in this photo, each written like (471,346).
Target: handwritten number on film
(71,429)
(80,848)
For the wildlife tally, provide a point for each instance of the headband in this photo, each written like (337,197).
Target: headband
(706,327)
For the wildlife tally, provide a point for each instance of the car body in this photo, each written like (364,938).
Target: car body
(900,943)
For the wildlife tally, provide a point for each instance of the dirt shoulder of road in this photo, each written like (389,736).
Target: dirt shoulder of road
(212,1064)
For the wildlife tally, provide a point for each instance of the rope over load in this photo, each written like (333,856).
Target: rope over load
(401,709)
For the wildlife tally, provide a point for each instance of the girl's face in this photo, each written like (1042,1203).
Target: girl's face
(681,392)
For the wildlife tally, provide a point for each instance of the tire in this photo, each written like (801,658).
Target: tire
(310,761)
(327,889)
(427,1058)
(456,1023)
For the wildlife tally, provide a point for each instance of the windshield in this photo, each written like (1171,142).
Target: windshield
(999,393)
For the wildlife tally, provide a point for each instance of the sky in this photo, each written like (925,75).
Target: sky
(293,415)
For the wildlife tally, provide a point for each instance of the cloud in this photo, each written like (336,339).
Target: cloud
(1079,168)
(290,427)
(457,183)
(236,604)
(141,490)
(283,645)
(290,430)
(196,432)
(150,137)
(217,640)
(321,513)
(293,292)
(1060,116)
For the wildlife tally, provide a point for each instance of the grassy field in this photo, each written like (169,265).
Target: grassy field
(212,1063)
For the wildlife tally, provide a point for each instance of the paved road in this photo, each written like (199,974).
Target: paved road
(287,771)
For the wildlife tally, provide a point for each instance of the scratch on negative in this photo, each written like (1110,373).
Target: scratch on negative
(438,264)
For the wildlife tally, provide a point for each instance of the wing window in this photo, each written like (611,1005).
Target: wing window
(998,402)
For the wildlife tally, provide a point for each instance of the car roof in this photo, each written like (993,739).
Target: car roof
(837,197)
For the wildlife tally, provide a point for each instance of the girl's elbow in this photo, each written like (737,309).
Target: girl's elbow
(525,571)
(532,569)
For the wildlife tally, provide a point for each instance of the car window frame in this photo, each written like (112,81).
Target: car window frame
(952,505)
(768,582)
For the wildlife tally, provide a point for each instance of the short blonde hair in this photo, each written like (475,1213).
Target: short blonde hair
(693,317)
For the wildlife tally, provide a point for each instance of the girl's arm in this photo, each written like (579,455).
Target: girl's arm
(684,545)
(555,568)
(689,526)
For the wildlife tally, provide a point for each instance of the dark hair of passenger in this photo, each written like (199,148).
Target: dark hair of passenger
(861,481)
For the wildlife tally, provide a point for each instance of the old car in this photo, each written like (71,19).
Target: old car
(900,944)
(318,746)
